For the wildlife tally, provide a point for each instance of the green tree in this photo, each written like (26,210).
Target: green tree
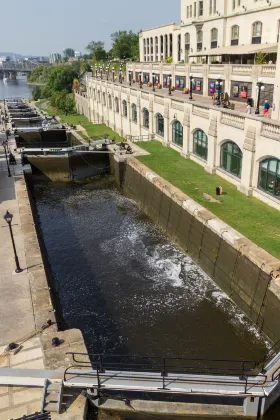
(61,78)
(37,93)
(95,47)
(125,45)
(68,105)
(69,52)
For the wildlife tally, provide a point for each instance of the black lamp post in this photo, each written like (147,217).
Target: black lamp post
(170,83)
(6,155)
(113,73)
(100,71)
(120,74)
(219,84)
(96,71)
(140,80)
(259,87)
(9,217)
(153,77)
(107,70)
(129,77)
(191,86)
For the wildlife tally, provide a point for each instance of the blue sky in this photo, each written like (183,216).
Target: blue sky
(40,27)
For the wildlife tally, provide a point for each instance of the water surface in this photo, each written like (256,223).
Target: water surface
(127,287)
(15,88)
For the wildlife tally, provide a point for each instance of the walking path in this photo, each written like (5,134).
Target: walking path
(197,98)
(16,310)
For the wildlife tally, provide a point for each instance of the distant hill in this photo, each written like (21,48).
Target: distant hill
(10,54)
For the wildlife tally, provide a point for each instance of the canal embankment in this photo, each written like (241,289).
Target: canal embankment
(27,300)
(248,274)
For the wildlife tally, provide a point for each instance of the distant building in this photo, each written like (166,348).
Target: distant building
(55,57)
(78,54)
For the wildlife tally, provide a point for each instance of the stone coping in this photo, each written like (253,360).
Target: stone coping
(43,310)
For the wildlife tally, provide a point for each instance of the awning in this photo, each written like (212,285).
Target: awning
(237,50)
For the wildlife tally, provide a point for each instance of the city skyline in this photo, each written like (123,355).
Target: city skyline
(51,29)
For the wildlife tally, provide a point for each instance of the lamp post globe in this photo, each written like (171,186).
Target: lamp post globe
(8,217)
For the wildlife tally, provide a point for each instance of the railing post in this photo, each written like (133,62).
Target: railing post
(163,372)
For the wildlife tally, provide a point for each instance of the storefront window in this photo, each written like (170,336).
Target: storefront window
(241,91)
(180,82)
(200,144)
(269,176)
(231,158)
(146,77)
(198,86)
(177,133)
(165,80)
(213,87)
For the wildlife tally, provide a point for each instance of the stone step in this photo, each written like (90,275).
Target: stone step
(54,386)
(51,407)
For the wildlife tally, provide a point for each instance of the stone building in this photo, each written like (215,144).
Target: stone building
(243,149)
(216,31)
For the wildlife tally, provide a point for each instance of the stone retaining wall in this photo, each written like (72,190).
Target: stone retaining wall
(247,273)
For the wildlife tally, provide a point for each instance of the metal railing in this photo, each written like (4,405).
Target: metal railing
(134,139)
(236,372)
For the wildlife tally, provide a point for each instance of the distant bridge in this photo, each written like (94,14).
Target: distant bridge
(15,66)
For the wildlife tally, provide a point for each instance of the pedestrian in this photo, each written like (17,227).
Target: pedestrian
(249,107)
(266,107)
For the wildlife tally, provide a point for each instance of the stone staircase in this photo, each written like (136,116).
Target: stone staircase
(52,396)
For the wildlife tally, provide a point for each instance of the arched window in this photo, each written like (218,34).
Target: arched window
(170,45)
(257,33)
(134,113)
(177,133)
(146,123)
(214,38)
(110,101)
(160,125)
(124,103)
(235,35)
(104,98)
(231,158)
(117,108)
(200,144)
(269,176)
(199,38)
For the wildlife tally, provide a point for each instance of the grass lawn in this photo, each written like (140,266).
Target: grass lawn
(254,219)
(95,131)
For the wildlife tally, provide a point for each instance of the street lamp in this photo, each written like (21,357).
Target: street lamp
(9,217)
(140,80)
(113,73)
(170,83)
(191,86)
(219,83)
(6,155)
(129,76)
(153,77)
(259,87)
(100,71)
(120,73)
(107,71)
(96,71)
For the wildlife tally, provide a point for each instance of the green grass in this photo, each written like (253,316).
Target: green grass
(254,219)
(95,131)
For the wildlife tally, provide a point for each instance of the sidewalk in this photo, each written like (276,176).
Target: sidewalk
(16,311)
(197,98)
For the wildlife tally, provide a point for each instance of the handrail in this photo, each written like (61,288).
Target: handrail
(101,373)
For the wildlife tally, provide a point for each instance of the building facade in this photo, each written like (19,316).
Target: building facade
(55,58)
(211,29)
(243,149)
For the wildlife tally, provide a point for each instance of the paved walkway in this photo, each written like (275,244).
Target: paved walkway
(197,98)
(16,311)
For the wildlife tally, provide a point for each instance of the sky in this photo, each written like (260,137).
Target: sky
(36,27)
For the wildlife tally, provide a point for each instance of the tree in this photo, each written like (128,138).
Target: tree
(125,45)
(37,93)
(69,52)
(95,46)
(61,78)
(68,105)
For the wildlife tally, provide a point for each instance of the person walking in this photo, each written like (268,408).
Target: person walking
(249,107)
(266,107)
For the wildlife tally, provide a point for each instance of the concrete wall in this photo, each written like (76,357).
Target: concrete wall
(244,271)
(257,137)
